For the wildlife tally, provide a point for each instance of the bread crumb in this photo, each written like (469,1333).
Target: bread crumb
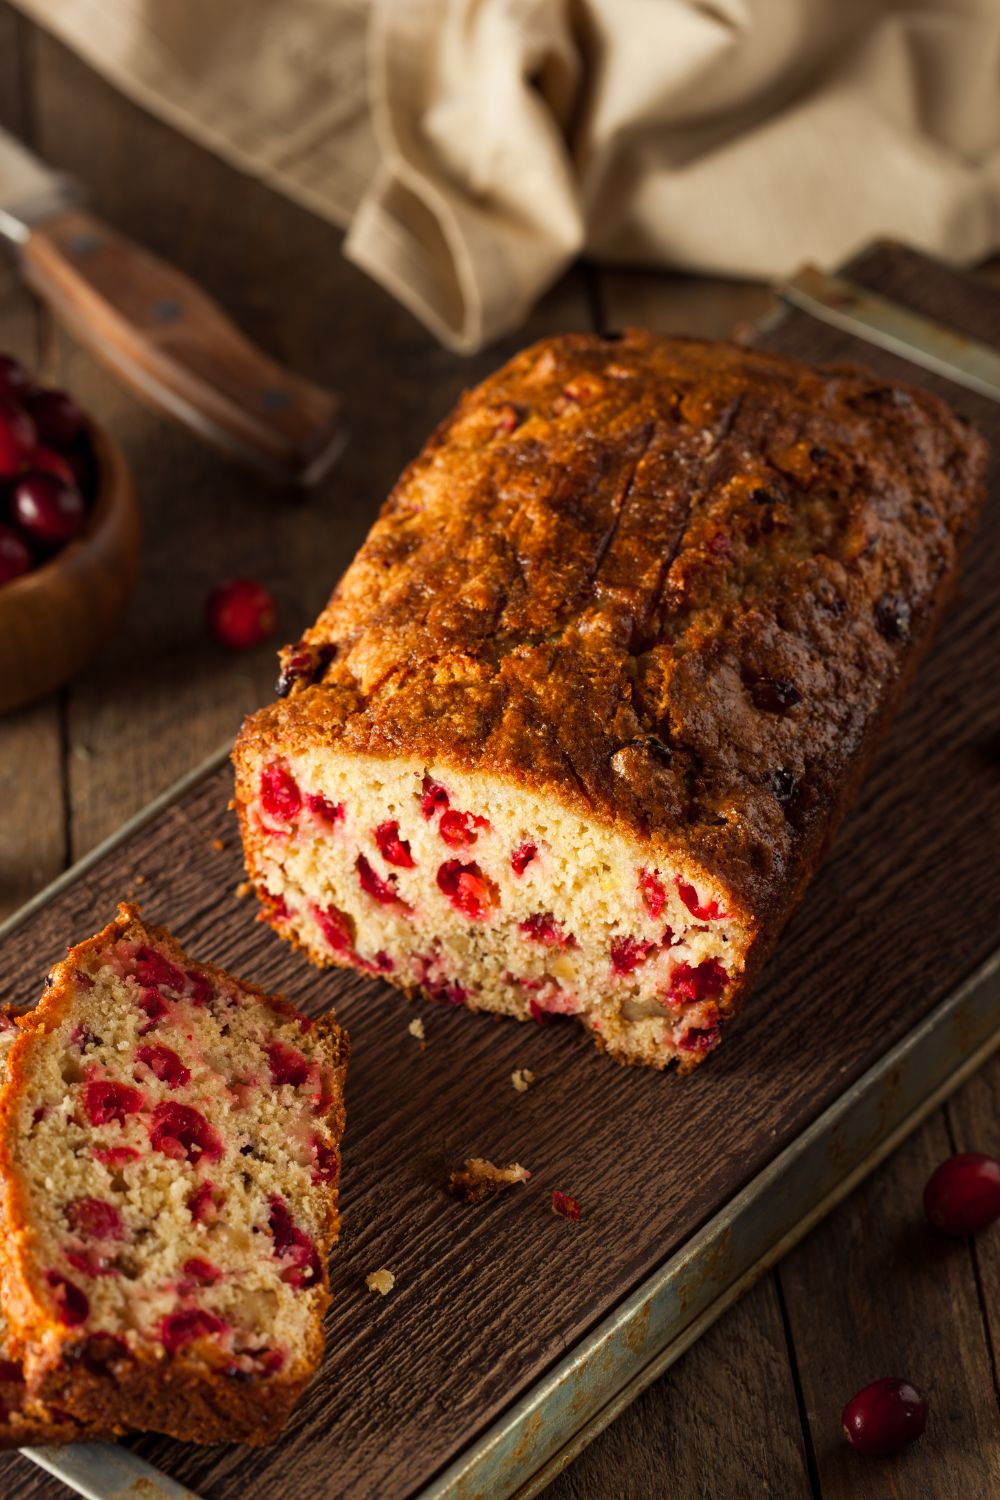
(218,845)
(480,1179)
(82,752)
(416,1028)
(381,1281)
(522,1078)
(139,879)
(243,889)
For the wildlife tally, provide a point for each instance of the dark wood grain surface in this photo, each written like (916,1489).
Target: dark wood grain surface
(486,1298)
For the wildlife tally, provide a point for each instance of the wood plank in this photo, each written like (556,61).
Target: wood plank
(13,69)
(32,828)
(876,1292)
(973,1119)
(721,1422)
(163,696)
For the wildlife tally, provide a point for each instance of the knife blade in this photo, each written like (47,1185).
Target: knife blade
(107,1471)
(159,331)
(898,329)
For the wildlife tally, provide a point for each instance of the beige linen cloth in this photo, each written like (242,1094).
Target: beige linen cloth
(472,148)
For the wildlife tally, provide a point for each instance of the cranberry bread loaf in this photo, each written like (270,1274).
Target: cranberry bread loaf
(579,720)
(169,1144)
(23,1418)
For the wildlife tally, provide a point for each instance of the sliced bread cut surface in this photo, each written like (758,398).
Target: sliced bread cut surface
(24,1419)
(169,1144)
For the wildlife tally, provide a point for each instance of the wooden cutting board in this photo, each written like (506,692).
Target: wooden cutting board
(490,1298)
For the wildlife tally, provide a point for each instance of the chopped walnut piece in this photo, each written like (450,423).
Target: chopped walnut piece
(521,1078)
(416,1028)
(381,1281)
(480,1179)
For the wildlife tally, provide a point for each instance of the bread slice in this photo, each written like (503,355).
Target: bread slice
(169,1146)
(579,721)
(23,1418)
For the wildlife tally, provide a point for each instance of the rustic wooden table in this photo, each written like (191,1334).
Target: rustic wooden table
(755,1405)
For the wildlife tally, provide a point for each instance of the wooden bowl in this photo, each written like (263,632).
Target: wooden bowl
(55,618)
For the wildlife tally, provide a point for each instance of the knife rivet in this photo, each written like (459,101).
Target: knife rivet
(167,311)
(275,399)
(84,244)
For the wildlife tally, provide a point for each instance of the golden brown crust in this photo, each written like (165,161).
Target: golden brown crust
(28,1422)
(193,1396)
(182,1398)
(676,585)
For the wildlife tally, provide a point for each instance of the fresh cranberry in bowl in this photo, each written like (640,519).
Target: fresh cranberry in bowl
(58,420)
(15,558)
(18,438)
(69,537)
(47,510)
(48,461)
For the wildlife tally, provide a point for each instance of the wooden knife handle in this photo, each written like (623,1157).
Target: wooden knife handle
(178,349)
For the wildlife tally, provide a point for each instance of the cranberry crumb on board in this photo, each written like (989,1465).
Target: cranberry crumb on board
(169,1147)
(602,680)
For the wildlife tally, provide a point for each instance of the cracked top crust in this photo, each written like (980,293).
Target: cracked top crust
(672,583)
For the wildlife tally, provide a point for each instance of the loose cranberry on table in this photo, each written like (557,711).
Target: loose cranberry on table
(241,613)
(47,510)
(884,1418)
(963,1195)
(58,420)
